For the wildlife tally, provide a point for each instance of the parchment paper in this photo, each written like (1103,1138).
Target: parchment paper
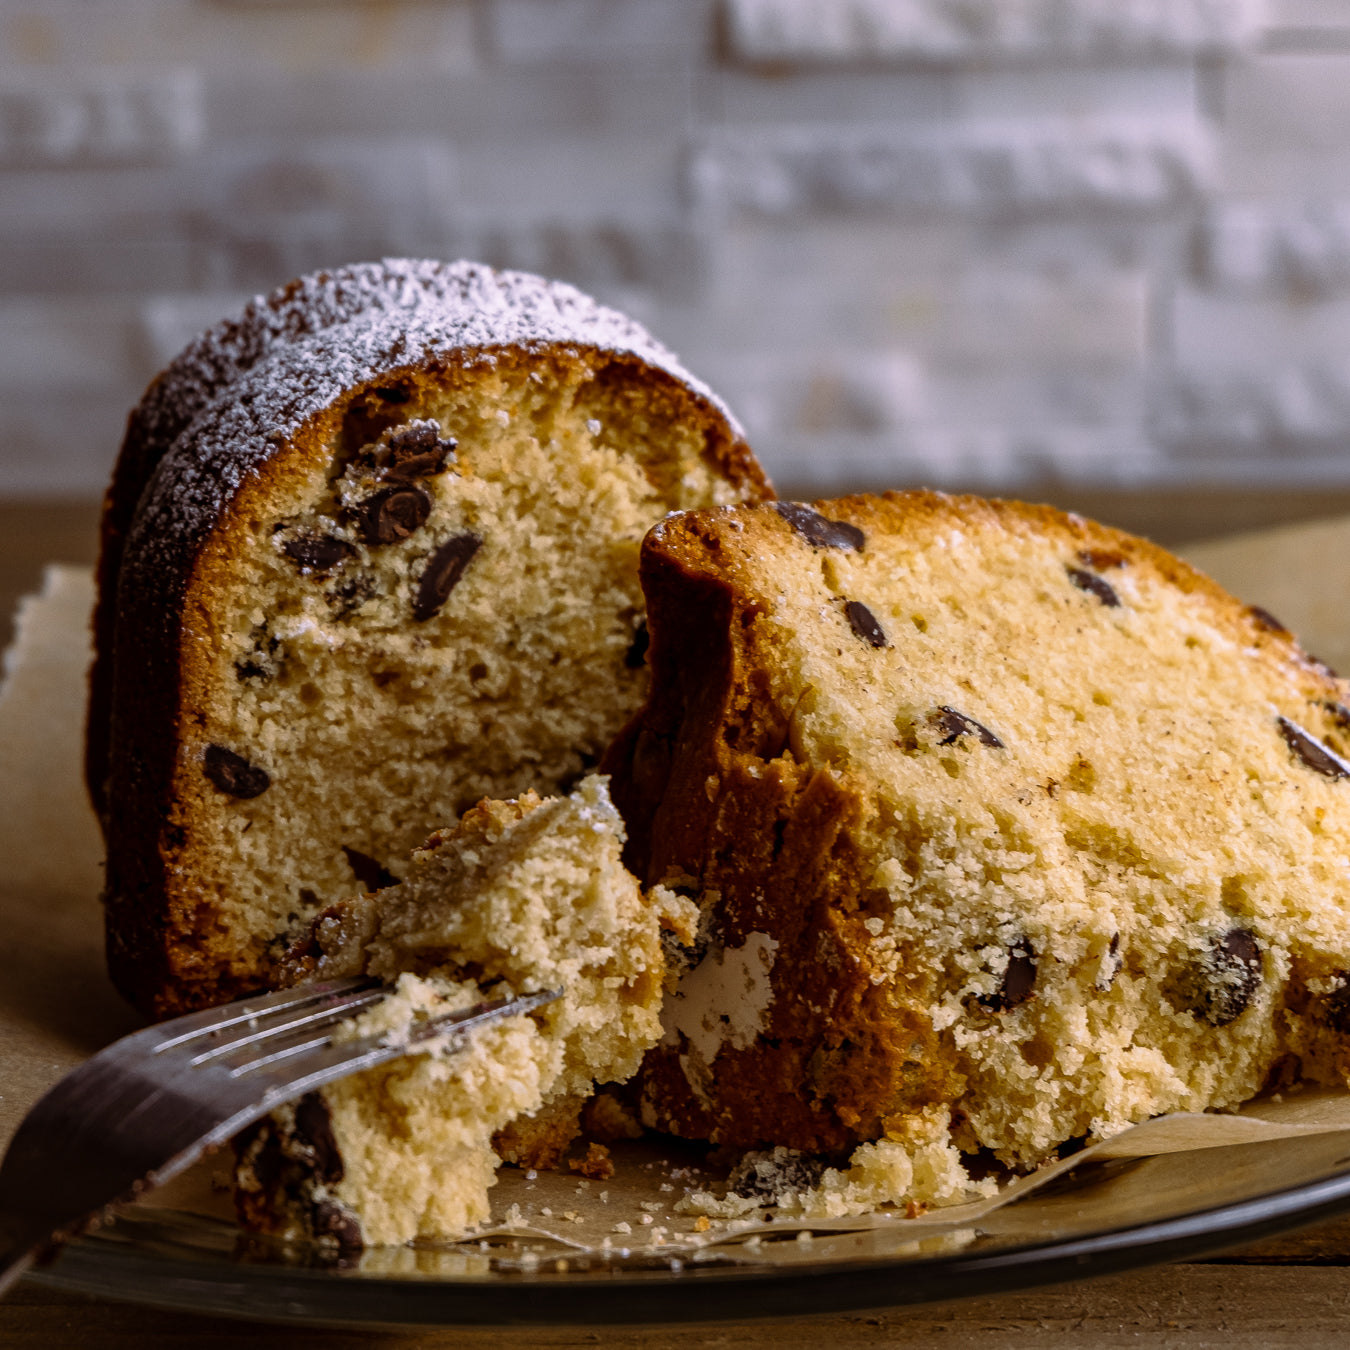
(57,1007)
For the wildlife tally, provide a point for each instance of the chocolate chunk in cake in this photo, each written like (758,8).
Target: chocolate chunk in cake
(393,514)
(442,572)
(1094,585)
(1018,980)
(233,774)
(864,624)
(1229,977)
(1311,751)
(317,552)
(819,531)
(952,725)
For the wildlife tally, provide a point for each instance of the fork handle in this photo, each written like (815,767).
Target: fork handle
(18,1252)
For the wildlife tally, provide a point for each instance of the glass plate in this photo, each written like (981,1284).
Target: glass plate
(1099,1217)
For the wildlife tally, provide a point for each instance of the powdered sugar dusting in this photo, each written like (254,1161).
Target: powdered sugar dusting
(248,383)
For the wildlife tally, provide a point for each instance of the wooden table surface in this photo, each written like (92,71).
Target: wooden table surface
(1293,1291)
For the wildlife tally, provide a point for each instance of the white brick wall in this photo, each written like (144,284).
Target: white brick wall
(591,31)
(1296,247)
(102,117)
(980,166)
(982,243)
(945,30)
(49,346)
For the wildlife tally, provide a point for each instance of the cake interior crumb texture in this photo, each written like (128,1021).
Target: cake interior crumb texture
(370,555)
(1027,830)
(520,896)
(362,707)
(370,670)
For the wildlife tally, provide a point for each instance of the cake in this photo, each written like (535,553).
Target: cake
(369,556)
(1006,830)
(520,896)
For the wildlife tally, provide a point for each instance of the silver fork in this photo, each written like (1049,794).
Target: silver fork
(151,1104)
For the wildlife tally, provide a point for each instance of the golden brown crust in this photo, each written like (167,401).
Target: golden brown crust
(166,952)
(541,1140)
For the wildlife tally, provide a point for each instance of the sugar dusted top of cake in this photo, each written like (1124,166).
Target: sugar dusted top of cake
(432,304)
(251,382)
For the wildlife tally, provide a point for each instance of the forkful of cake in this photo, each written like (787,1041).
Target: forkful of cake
(153,1103)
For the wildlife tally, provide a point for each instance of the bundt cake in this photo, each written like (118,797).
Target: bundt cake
(1006,829)
(520,896)
(369,555)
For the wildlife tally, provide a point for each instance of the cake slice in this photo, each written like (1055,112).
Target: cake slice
(369,555)
(1007,830)
(520,896)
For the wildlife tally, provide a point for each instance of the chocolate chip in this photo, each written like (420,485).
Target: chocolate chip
(393,514)
(864,624)
(1018,979)
(1229,975)
(1311,751)
(314,1127)
(316,552)
(817,530)
(233,773)
(1101,559)
(770,1176)
(418,451)
(368,871)
(1335,1010)
(417,466)
(1094,585)
(954,725)
(1265,619)
(259,1146)
(442,573)
(636,656)
(334,1223)
(417,438)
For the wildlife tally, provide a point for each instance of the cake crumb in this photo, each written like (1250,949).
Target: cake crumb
(597,1164)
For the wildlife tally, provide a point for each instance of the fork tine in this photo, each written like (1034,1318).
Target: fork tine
(279,1053)
(331,1060)
(332,1011)
(215,1020)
